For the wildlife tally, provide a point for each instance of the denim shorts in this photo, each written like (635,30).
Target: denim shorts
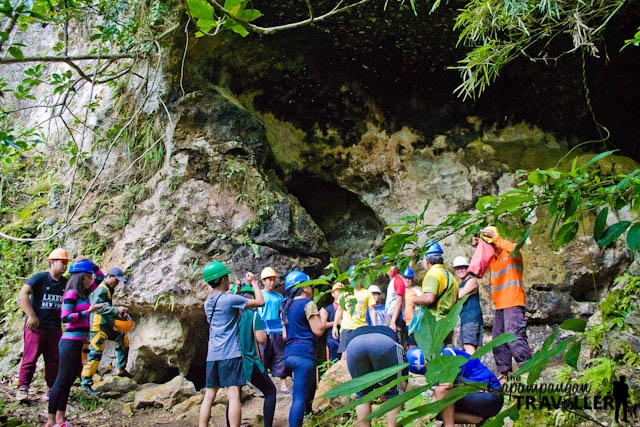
(471,333)
(225,373)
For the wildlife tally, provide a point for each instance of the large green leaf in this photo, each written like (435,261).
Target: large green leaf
(397,401)
(521,243)
(633,237)
(613,233)
(597,158)
(566,234)
(536,364)
(601,223)
(444,368)
(512,201)
(502,339)
(571,205)
(575,325)
(455,394)
(536,178)
(360,383)
(200,9)
(373,394)
(571,356)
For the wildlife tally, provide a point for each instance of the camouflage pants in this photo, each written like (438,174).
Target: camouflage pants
(97,341)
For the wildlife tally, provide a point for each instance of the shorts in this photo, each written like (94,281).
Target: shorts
(273,355)
(411,341)
(345,334)
(471,333)
(225,373)
(481,404)
(371,352)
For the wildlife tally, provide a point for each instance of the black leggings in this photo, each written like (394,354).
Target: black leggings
(263,383)
(68,370)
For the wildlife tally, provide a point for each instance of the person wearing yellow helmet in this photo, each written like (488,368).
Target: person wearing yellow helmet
(41,300)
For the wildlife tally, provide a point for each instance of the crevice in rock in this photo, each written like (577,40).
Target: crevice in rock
(351,228)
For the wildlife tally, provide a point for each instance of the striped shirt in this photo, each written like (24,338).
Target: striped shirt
(75,313)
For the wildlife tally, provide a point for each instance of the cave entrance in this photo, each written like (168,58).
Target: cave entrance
(351,228)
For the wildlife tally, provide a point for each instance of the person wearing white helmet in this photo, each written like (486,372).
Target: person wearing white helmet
(471,322)
(378,306)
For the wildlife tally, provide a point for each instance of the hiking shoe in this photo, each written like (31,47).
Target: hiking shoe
(123,373)
(90,390)
(64,424)
(22,394)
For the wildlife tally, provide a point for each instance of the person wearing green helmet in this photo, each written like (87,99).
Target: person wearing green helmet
(224,357)
(251,333)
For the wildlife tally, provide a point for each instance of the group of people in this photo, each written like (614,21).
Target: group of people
(254,329)
(83,303)
(283,334)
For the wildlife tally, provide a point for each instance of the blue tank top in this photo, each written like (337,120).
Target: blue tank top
(471,311)
(300,339)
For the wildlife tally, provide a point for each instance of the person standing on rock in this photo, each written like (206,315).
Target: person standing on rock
(251,332)
(350,322)
(439,287)
(41,301)
(303,325)
(102,328)
(507,292)
(328,315)
(471,322)
(272,352)
(76,308)
(224,357)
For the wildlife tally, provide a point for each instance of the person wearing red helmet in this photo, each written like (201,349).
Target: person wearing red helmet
(41,300)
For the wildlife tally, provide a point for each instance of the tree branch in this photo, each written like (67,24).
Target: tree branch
(338,8)
(65,59)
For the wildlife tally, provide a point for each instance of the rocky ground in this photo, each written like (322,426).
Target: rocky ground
(173,403)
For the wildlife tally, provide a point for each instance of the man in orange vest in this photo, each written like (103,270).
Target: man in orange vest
(507,292)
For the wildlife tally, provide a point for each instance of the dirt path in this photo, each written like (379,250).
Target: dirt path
(86,411)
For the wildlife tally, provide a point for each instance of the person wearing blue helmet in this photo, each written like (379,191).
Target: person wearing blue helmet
(474,408)
(76,308)
(302,325)
(439,287)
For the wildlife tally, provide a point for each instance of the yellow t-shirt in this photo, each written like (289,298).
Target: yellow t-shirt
(435,282)
(364,300)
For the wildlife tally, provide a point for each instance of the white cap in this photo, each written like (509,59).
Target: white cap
(374,288)
(461,261)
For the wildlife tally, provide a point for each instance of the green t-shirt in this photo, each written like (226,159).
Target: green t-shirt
(439,281)
(248,342)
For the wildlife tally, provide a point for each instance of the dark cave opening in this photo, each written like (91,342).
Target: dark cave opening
(350,227)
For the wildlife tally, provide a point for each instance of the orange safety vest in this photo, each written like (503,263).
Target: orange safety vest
(507,289)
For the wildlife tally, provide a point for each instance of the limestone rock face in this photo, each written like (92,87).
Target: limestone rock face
(165,395)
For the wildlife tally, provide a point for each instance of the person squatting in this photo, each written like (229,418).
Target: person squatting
(254,330)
